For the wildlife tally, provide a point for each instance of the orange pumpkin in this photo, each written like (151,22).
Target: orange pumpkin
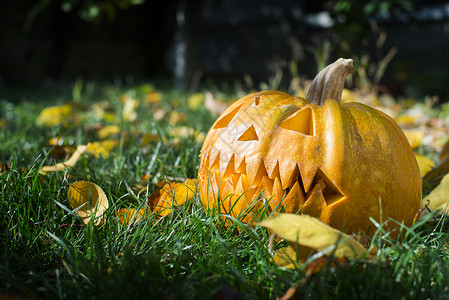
(341,163)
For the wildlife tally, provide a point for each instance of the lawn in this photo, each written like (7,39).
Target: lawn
(138,136)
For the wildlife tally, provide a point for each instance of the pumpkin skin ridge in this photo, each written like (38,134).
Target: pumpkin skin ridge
(332,213)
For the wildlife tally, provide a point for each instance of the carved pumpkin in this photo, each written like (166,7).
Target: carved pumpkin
(341,163)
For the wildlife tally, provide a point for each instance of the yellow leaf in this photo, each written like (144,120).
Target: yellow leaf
(103,148)
(311,232)
(67,164)
(153,97)
(2,122)
(147,138)
(406,120)
(347,96)
(54,115)
(414,137)
(172,195)
(176,117)
(107,131)
(439,196)
(424,163)
(287,258)
(195,101)
(89,201)
(130,105)
(129,216)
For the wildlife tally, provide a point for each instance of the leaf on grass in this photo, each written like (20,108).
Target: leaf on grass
(67,164)
(172,195)
(434,176)
(311,232)
(153,97)
(130,105)
(103,148)
(54,115)
(195,101)
(106,131)
(4,167)
(215,106)
(130,216)
(148,138)
(414,137)
(424,164)
(89,201)
(2,122)
(439,197)
(176,117)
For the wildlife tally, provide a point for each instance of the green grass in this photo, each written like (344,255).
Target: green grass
(47,253)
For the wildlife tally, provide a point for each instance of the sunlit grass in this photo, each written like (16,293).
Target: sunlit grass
(47,252)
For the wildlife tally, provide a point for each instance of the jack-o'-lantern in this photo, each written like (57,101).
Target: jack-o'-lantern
(341,163)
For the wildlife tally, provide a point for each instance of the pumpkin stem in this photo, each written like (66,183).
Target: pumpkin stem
(329,82)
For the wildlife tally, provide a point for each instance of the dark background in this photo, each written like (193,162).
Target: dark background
(224,40)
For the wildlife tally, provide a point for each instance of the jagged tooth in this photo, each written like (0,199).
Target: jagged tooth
(290,176)
(315,203)
(266,187)
(235,179)
(241,165)
(277,193)
(261,173)
(308,172)
(225,157)
(214,163)
(274,171)
(252,167)
(230,168)
(242,184)
(294,200)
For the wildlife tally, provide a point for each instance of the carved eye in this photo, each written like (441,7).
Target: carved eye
(301,121)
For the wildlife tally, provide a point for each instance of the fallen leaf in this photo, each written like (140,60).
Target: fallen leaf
(4,167)
(103,148)
(129,216)
(172,195)
(347,96)
(414,137)
(148,138)
(176,117)
(107,131)
(195,101)
(2,122)
(424,164)
(215,106)
(439,197)
(311,232)
(153,97)
(130,106)
(160,114)
(434,176)
(88,200)
(67,164)
(54,115)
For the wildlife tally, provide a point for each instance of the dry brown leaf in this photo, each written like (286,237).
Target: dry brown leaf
(4,167)
(215,106)
(172,195)
(424,164)
(444,150)
(89,201)
(67,164)
(311,232)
